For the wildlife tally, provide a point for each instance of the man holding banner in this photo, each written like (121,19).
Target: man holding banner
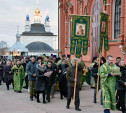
(70,80)
(79,44)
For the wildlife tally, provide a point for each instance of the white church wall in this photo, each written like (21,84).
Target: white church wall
(50,40)
(41,53)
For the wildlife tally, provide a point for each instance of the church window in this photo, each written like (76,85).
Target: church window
(117,22)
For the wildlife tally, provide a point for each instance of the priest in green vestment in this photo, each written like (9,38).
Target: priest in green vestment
(108,74)
(19,75)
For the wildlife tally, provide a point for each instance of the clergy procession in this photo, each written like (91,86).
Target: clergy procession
(46,75)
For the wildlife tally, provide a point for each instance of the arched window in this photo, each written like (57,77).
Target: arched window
(117,22)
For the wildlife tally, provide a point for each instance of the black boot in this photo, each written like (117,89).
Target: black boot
(78,109)
(7,86)
(95,100)
(44,102)
(68,103)
(38,98)
(38,101)
(67,107)
(95,95)
(61,96)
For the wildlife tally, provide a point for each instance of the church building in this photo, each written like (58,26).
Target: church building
(116,25)
(37,37)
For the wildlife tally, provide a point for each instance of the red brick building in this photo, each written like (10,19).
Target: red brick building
(116,9)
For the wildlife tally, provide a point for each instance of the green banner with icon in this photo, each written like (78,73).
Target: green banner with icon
(80,35)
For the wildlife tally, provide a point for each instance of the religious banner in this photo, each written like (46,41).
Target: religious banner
(104,32)
(80,35)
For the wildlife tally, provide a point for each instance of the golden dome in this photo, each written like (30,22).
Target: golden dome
(37,11)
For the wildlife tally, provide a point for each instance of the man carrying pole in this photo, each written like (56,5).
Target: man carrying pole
(73,79)
(79,44)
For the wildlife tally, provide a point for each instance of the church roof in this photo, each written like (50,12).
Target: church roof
(18,47)
(37,30)
(39,47)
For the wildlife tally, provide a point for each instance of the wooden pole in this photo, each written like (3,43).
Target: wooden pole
(98,77)
(75,83)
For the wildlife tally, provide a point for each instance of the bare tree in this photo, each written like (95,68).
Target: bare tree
(3,47)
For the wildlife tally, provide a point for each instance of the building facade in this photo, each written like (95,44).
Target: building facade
(116,25)
(37,36)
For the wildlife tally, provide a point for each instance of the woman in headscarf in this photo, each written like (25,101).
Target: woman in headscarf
(40,81)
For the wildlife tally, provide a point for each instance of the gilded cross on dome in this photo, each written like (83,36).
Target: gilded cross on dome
(37,11)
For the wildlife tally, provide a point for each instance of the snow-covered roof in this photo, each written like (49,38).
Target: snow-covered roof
(18,47)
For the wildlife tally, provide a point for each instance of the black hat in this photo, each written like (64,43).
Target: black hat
(39,58)
(54,56)
(51,54)
(94,58)
(63,55)
(68,56)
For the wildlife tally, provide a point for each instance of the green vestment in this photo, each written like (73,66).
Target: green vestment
(108,84)
(18,77)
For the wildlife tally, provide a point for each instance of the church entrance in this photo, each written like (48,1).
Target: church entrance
(97,8)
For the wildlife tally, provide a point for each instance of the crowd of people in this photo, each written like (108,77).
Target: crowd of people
(43,75)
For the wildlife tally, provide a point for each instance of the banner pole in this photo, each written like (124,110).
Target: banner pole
(75,83)
(98,77)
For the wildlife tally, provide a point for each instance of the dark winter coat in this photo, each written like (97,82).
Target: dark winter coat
(24,65)
(52,79)
(94,72)
(63,71)
(71,75)
(31,69)
(40,78)
(8,76)
(120,83)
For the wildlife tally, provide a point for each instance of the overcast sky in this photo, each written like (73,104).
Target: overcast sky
(13,13)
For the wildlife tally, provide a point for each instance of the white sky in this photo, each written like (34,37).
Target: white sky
(13,13)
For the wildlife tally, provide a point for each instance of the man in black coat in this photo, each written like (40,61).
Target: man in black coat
(50,78)
(121,87)
(62,68)
(94,73)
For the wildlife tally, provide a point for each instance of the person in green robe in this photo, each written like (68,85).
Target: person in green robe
(108,74)
(18,76)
